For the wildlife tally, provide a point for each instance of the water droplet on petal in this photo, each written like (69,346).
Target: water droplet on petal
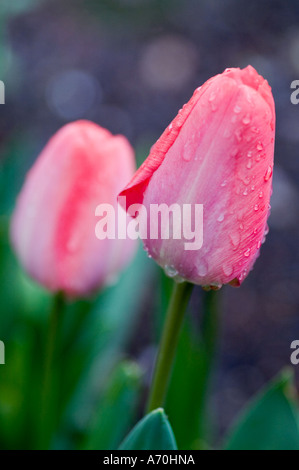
(227,269)
(238,135)
(202,269)
(269,173)
(212,96)
(170,271)
(249,165)
(256,207)
(224,183)
(246,120)
(220,218)
(237,109)
(245,192)
(235,239)
(259,146)
(247,253)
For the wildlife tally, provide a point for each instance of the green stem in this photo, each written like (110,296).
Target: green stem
(49,379)
(174,319)
(210,330)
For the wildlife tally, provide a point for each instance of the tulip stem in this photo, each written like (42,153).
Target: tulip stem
(49,380)
(170,336)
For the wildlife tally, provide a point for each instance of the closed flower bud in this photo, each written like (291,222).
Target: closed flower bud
(217,152)
(53,225)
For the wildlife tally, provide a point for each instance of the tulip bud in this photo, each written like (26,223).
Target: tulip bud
(53,225)
(217,152)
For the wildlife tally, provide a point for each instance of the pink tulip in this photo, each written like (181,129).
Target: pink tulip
(218,152)
(53,226)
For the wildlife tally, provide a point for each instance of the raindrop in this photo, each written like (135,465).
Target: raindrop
(212,96)
(256,207)
(238,135)
(249,154)
(245,192)
(170,271)
(249,165)
(261,195)
(227,269)
(247,253)
(202,269)
(235,239)
(246,120)
(268,173)
(259,146)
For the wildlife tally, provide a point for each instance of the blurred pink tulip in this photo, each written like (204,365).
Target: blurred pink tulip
(218,152)
(53,225)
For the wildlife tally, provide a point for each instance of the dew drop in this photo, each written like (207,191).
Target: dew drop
(249,165)
(269,173)
(245,192)
(261,195)
(237,109)
(259,146)
(259,244)
(241,226)
(212,96)
(220,218)
(224,184)
(256,207)
(170,271)
(235,239)
(202,269)
(227,269)
(247,253)
(246,120)
(249,154)
(238,135)
(252,188)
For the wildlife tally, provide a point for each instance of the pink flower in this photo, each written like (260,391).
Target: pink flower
(53,225)
(218,152)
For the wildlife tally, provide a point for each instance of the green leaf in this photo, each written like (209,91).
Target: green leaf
(153,432)
(269,422)
(116,409)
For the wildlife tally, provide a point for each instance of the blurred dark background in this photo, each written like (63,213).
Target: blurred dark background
(129,65)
